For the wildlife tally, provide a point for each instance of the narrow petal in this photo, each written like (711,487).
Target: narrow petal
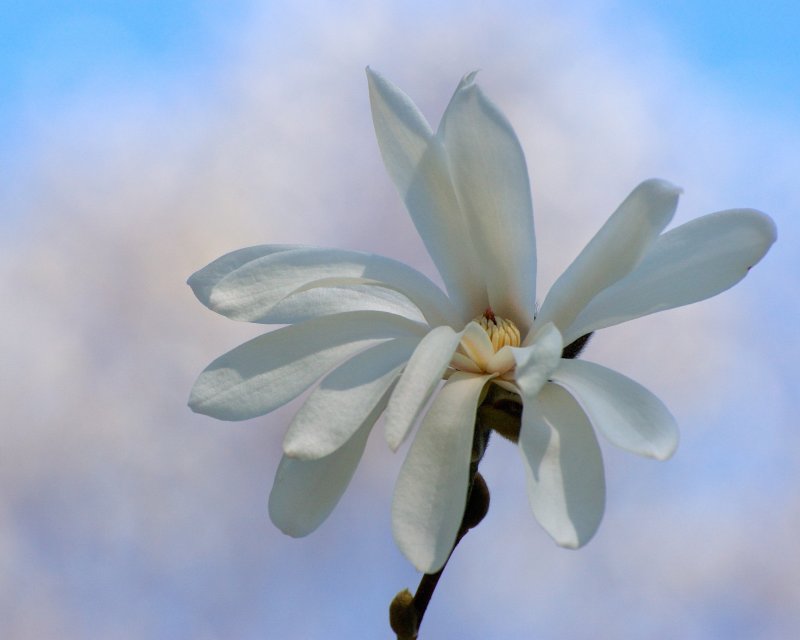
(690,263)
(417,163)
(566,481)
(304,304)
(477,345)
(344,398)
(321,301)
(535,363)
(269,371)
(463,363)
(203,281)
(251,291)
(305,492)
(613,252)
(491,181)
(626,413)
(501,361)
(431,490)
(422,374)
(402,131)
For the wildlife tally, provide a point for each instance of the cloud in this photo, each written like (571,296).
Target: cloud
(126,516)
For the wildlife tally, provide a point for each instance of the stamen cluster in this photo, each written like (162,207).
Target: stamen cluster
(502,332)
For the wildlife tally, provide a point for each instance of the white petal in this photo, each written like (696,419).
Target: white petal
(477,344)
(421,376)
(690,263)
(613,252)
(203,281)
(463,363)
(344,398)
(417,163)
(251,291)
(535,363)
(319,301)
(431,491)
(622,410)
(402,131)
(306,491)
(491,180)
(305,304)
(269,371)
(566,482)
(502,361)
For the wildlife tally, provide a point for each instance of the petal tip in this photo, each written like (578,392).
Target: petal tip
(768,226)
(393,439)
(576,539)
(286,526)
(665,453)
(573,544)
(195,282)
(297,450)
(661,187)
(196,404)
(306,447)
(468,79)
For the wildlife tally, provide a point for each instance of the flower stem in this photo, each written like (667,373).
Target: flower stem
(405,614)
(477,506)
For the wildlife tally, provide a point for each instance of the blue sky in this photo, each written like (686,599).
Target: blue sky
(54,52)
(748,47)
(143,139)
(49,47)
(51,53)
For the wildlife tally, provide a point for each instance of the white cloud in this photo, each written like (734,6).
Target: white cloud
(126,516)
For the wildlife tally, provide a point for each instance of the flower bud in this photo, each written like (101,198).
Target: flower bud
(403,616)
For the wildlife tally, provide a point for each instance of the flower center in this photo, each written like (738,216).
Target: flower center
(501,332)
(481,347)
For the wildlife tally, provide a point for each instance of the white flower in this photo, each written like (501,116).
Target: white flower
(382,337)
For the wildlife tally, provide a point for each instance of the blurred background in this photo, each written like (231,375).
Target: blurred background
(139,140)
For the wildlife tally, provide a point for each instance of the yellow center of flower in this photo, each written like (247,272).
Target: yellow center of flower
(481,348)
(501,332)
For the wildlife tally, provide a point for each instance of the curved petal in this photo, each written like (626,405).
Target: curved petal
(251,291)
(613,252)
(417,164)
(626,413)
(269,371)
(203,281)
(564,466)
(491,180)
(690,263)
(422,374)
(431,490)
(463,363)
(303,304)
(321,301)
(402,131)
(344,398)
(535,363)
(305,492)
(502,361)
(476,344)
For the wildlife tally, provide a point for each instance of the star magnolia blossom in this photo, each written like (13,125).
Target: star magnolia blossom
(380,337)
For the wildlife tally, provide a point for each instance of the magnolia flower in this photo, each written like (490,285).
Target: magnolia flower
(380,337)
